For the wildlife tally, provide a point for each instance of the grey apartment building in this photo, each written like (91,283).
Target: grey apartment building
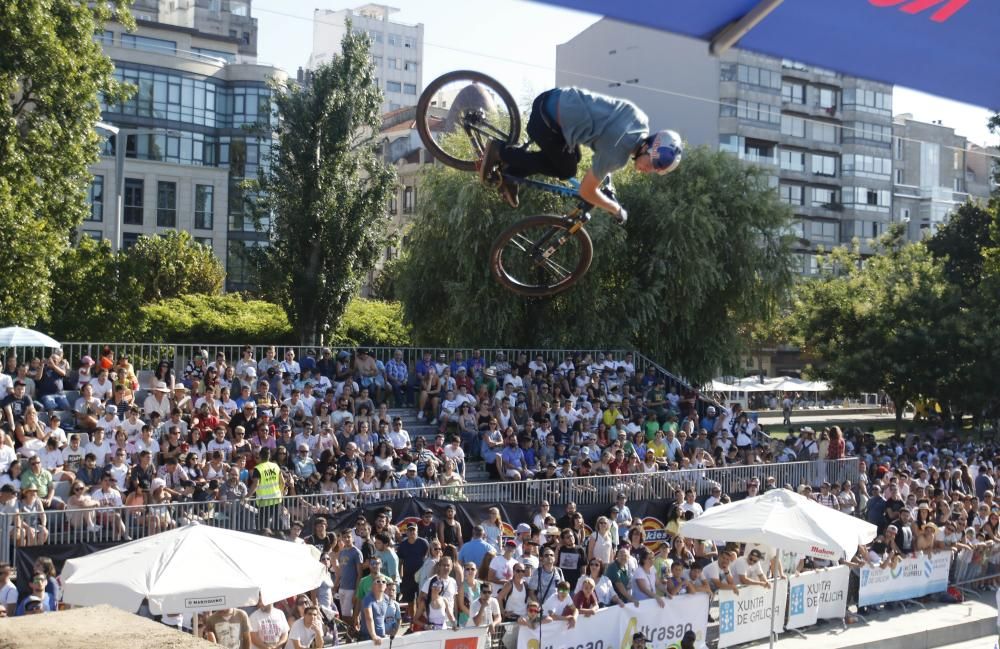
(186,132)
(825,138)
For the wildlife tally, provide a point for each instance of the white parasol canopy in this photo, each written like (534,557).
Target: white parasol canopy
(21,337)
(783,519)
(190,569)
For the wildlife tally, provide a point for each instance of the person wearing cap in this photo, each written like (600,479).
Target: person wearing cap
(638,641)
(412,551)
(32,514)
(501,568)
(411,482)
(303,465)
(158,400)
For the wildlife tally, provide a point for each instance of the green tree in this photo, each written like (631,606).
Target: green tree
(86,304)
(326,191)
(372,322)
(168,265)
(225,319)
(702,257)
(882,324)
(52,76)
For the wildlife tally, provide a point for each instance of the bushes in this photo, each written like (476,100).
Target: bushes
(372,322)
(234,319)
(224,319)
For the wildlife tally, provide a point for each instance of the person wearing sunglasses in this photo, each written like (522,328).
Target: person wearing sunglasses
(37,601)
(485,611)
(373,611)
(534,616)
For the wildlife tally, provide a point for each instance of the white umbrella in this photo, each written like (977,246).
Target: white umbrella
(21,337)
(784,520)
(190,569)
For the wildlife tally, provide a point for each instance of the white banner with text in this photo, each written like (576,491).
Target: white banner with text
(468,638)
(746,615)
(612,627)
(912,577)
(817,595)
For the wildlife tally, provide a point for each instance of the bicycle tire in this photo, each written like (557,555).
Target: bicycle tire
(504,275)
(423,104)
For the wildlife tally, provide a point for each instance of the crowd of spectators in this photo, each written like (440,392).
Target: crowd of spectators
(325,423)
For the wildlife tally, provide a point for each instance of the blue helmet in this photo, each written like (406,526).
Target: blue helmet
(665,151)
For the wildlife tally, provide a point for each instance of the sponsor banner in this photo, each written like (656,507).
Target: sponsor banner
(912,577)
(747,615)
(817,595)
(471,638)
(613,627)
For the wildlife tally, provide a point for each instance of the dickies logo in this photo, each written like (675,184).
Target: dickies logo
(945,9)
(654,533)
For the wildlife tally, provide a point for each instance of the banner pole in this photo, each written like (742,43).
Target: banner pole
(774,599)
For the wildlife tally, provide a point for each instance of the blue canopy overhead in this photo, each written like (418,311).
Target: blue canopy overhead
(949,48)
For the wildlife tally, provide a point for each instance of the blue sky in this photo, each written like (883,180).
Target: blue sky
(515,41)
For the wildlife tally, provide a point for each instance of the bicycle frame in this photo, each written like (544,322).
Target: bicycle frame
(580,215)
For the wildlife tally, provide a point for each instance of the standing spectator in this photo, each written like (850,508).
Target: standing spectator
(544,582)
(411,552)
(571,558)
(619,574)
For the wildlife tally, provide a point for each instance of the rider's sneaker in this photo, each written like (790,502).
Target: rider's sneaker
(509,193)
(491,158)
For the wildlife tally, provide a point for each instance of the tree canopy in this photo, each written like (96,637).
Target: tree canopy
(168,265)
(52,77)
(702,256)
(326,191)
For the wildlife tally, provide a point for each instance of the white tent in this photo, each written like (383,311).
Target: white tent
(767,384)
(783,519)
(191,569)
(786,521)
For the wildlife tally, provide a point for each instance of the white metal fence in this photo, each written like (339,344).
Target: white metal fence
(101,525)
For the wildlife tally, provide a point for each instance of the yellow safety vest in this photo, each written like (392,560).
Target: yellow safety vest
(269,485)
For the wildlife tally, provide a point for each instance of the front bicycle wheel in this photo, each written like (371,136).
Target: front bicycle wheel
(460,112)
(541,255)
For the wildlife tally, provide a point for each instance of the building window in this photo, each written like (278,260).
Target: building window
(409,89)
(147,44)
(409,65)
(393,204)
(826,198)
(166,205)
(791,194)
(793,160)
(105,37)
(133,201)
(868,166)
(754,76)
(757,112)
(868,100)
(956,159)
(392,63)
(375,35)
(410,42)
(824,133)
(96,235)
(904,214)
(869,132)
(828,99)
(96,197)
(393,86)
(957,185)
(822,231)
(204,241)
(794,93)
(793,126)
(377,61)
(409,198)
(239,269)
(824,165)
(129,239)
(204,210)
(394,40)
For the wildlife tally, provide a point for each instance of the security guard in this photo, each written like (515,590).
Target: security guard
(267,485)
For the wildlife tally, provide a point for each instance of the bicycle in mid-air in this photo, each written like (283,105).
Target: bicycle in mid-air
(539,255)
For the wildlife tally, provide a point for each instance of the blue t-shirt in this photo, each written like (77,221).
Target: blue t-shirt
(350,558)
(612,127)
(474,551)
(379,608)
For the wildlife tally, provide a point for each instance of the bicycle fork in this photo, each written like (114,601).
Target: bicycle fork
(543,253)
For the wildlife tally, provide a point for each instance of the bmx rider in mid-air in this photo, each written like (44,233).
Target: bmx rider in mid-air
(564,118)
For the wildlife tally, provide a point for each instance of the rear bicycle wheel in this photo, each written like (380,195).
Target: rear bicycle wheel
(539,256)
(460,112)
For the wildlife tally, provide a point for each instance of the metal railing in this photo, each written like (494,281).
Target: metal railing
(109,524)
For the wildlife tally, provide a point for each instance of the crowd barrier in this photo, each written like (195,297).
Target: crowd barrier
(974,567)
(466,638)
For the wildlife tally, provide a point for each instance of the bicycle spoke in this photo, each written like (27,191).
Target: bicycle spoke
(525,264)
(490,131)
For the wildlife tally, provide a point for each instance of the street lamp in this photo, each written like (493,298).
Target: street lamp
(116,237)
(121,134)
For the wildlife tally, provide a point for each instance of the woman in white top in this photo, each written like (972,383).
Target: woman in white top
(438,608)
(603,588)
(513,596)
(601,544)
(846,499)
(644,578)
(369,485)
(349,488)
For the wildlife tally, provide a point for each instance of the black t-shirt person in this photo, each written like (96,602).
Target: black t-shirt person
(18,406)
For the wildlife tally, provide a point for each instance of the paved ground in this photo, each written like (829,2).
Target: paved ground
(979,643)
(832,416)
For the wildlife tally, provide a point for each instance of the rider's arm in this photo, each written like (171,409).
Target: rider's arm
(590,192)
